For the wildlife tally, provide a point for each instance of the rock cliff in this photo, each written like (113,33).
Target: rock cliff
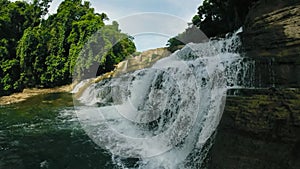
(272,37)
(260,128)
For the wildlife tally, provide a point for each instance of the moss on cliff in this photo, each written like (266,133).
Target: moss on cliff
(260,128)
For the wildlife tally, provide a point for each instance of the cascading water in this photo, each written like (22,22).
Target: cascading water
(164,116)
(80,85)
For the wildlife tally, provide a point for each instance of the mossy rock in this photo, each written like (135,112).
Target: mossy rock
(259,129)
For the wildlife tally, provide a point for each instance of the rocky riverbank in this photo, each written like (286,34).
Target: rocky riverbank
(28,93)
(143,60)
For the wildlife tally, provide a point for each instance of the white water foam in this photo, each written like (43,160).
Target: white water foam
(164,116)
(80,85)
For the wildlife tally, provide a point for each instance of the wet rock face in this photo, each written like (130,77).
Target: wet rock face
(272,30)
(271,114)
(273,72)
(260,128)
(272,36)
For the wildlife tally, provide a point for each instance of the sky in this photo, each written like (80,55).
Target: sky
(150,22)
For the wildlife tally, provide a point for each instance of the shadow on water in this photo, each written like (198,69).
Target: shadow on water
(43,132)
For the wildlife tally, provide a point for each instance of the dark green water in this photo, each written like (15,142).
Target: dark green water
(43,132)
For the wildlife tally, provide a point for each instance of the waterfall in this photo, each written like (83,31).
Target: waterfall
(80,85)
(165,116)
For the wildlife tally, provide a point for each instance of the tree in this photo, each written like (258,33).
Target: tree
(107,47)
(191,34)
(15,18)
(38,52)
(218,17)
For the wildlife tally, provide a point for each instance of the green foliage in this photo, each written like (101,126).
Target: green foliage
(15,18)
(106,48)
(174,43)
(37,52)
(214,18)
(191,34)
(217,17)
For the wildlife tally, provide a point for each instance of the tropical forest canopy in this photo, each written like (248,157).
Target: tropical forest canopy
(39,52)
(216,18)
